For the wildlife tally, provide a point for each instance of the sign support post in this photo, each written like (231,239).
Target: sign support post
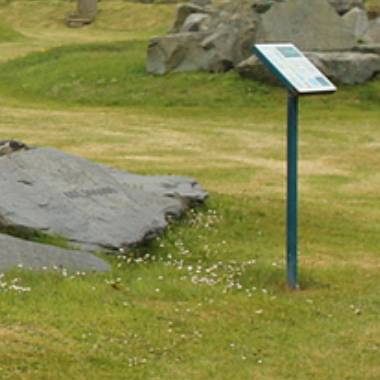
(292,192)
(300,77)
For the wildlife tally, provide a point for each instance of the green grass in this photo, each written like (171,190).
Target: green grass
(208,299)
(8,34)
(113,74)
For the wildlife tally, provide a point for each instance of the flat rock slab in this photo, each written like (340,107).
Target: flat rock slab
(93,206)
(33,256)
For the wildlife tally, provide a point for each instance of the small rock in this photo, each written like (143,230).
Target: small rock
(85,14)
(10,146)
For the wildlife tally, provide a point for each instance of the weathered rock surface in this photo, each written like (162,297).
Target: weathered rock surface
(357,21)
(183,12)
(85,14)
(180,52)
(252,68)
(92,205)
(196,22)
(340,67)
(348,67)
(310,25)
(216,43)
(343,6)
(28,255)
(373,33)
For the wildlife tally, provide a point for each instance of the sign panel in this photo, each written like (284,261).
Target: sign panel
(293,69)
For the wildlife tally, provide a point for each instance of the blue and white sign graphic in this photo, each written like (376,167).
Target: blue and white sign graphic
(293,69)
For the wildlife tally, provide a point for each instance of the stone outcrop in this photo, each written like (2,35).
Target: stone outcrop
(205,38)
(18,253)
(218,39)
(93,206)
(340,67)
(84,15)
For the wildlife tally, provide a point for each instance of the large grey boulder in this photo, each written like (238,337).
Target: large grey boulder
(180,52)
(200,51)
(311,25)
(357,21)
(347,67)
(340,67)
(344,6)
(43,189)
(33,256)
(373,33)
(85,14)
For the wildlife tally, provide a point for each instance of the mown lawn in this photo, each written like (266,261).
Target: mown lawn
(208,299)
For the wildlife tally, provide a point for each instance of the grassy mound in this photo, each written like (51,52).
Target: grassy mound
(113,74)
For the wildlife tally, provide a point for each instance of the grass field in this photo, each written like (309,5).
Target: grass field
(208,299)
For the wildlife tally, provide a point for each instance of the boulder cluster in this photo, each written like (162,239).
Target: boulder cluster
(336,35)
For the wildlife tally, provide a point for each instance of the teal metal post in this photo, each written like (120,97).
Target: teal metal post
(292,201)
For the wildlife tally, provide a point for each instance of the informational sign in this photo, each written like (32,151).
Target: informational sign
(300,77)
(293,69)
